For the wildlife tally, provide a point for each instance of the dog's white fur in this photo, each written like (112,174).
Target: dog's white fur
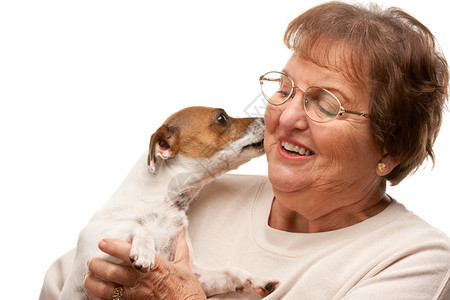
(149,209)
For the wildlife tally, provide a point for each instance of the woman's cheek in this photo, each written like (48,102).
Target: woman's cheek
(272,117)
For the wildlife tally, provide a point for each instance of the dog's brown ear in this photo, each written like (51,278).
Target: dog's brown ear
(161,145)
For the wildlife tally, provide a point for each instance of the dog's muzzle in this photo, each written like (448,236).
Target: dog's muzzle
(257,146)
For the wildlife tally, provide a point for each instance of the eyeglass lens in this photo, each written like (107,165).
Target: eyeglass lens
(319,104)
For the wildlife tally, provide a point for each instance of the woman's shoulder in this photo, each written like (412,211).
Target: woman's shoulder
(406,250)
(404,231)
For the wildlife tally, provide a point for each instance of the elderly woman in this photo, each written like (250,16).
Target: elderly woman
(358,103)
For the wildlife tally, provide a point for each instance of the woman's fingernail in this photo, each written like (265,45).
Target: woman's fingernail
(102,245)
(85,275)
(87,263)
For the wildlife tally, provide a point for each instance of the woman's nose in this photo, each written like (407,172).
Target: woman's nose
(293,115)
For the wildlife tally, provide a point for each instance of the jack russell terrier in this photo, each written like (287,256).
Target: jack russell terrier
(192,148)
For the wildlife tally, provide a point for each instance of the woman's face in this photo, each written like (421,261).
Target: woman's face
(341,156)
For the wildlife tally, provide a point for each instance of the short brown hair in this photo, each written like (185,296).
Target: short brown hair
(396,58)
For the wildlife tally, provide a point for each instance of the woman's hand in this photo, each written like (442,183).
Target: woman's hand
(166,280)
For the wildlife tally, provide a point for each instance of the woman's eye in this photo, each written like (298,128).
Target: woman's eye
(284,91)
(327,108)
(326,111)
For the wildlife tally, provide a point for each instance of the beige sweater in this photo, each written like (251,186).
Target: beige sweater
(393,255)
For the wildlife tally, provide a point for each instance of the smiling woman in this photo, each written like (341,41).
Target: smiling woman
(342,154)
(398,75)
(358,104)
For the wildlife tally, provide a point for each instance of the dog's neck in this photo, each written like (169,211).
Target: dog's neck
(178,179)
(185,178)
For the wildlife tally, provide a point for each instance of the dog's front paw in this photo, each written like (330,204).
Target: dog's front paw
(142,263)
(260,286)
(225,280)
(142,255)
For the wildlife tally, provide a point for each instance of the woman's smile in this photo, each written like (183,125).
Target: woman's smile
(291,150)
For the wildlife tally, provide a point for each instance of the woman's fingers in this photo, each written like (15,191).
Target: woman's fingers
(166,280)
(116,248)
(119,274)
(121,249)
(97,288)
(182,249)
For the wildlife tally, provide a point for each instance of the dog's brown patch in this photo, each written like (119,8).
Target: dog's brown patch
(198,132)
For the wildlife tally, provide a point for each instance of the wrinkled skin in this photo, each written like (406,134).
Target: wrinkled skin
(166,280)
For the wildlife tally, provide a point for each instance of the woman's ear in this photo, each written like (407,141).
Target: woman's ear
(386,164)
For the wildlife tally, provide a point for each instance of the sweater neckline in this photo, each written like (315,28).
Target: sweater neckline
(298,244)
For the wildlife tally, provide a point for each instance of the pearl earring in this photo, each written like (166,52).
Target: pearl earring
(381,167)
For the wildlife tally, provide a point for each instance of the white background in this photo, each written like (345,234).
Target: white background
(83,84)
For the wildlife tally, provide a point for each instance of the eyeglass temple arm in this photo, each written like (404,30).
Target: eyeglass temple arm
(355,113)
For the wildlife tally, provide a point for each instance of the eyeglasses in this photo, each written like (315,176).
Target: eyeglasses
(320,104)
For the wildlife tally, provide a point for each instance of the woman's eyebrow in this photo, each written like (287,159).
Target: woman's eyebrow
(341,96)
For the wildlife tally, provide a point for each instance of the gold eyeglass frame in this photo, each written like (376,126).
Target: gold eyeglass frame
(291,95)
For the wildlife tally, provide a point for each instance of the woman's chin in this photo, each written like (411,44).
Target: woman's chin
(285,179)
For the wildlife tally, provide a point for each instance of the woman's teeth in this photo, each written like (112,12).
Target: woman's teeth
(296,149)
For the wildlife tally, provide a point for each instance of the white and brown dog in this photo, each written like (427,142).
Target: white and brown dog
(193,147)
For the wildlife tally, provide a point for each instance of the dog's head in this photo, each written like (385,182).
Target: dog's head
(209,136)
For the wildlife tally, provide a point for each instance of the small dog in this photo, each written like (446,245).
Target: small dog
(193,147)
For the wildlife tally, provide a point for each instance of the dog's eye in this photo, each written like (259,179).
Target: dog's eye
(222,119)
